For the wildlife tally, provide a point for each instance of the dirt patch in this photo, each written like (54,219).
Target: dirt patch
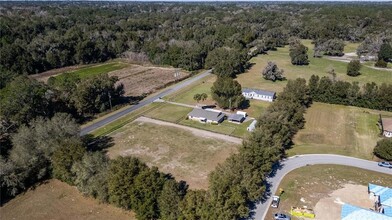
(139,80)
(58,200)
(330,207)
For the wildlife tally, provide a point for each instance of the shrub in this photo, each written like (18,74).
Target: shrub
(353,68)
(383,149)
(381,64)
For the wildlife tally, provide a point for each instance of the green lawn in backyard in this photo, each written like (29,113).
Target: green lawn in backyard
(318,66)
(169,112)
(338,129)
(98,69)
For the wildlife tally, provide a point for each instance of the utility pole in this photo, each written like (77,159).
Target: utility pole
(230,103)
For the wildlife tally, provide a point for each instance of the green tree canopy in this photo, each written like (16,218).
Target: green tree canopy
(353,68)
(272,72)
(383,149)
(227,93)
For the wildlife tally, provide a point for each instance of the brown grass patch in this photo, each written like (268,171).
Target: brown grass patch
(58,200)
(139,80)
(173,150)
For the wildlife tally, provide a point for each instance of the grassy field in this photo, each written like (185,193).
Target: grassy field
(173,150)
(98,69)
(318,66)
(312,183)
(58,200)
(338,129)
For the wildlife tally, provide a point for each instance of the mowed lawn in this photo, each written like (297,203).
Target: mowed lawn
(318,66)
(312,183)
(173,150)
(58,200)
(338,129)
(98,69)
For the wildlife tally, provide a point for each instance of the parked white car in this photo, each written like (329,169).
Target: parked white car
(275,201)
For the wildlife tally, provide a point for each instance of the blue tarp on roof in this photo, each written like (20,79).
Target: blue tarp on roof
(386,198)
(376,189)
(350,212)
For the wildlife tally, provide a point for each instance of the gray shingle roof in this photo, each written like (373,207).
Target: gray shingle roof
(209,115)
(259,92)
(235,117)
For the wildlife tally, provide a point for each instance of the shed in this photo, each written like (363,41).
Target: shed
(252,126)
(236,118)
(386,126)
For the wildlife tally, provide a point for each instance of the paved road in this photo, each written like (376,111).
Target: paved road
(145,102)
(311,159)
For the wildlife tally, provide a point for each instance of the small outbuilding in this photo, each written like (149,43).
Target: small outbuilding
(205,116)
(252,126)
(236,118)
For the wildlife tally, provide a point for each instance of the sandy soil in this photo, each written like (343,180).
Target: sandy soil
(329,208)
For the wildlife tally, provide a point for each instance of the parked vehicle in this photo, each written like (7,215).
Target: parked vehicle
(280,216)
(275,201)
(385,164)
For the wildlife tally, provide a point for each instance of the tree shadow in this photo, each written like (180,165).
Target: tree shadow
(268,189)
(97,143)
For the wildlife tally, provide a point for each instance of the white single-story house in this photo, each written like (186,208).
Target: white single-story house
(252,126)
(386,127)
(205,116)
(258,94)
(236,118)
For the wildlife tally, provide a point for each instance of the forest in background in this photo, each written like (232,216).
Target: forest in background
(36,37)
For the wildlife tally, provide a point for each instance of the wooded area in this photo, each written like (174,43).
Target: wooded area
(39,134)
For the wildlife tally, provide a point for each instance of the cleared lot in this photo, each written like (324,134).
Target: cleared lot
(187,156)
(58,200)
(338,129)
(140,80)
(324,187)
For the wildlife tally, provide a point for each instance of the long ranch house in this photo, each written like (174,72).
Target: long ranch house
(259,94)
(205,116)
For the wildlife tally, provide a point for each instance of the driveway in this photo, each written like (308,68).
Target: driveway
(295,162)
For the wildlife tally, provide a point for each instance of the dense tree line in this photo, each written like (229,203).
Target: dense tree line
(36,37)
(23,99)
(371,95)
(383,149)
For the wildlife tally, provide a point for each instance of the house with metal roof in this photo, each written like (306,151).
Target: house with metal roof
(205,116)
(386,127)
(258,94)
(386,211)
(382,197)
(350,212)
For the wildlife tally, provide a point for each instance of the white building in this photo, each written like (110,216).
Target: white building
(252,126)
(258,94)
